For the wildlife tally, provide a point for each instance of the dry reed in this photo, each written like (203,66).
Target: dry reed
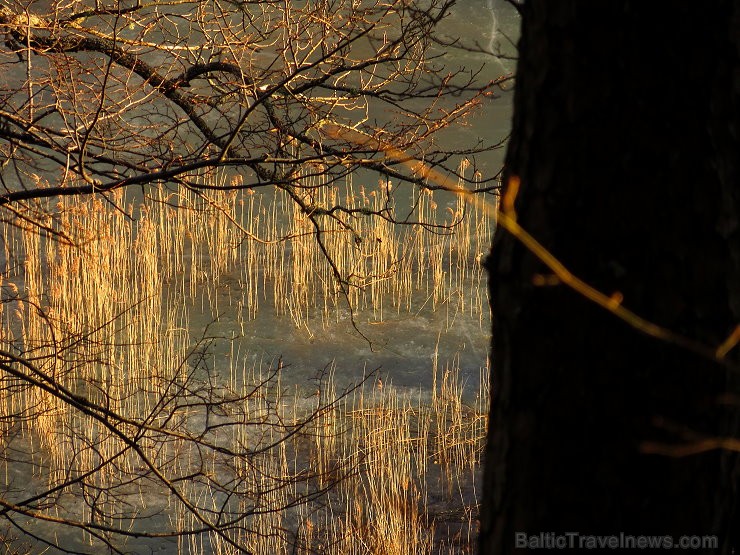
(108,314)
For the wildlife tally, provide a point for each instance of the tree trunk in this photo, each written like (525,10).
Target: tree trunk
(626,142)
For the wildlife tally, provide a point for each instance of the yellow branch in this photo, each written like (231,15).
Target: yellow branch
(506,218)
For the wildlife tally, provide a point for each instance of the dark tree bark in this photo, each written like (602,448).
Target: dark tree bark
(626,142)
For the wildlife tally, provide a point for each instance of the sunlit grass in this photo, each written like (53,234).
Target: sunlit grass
(110,315)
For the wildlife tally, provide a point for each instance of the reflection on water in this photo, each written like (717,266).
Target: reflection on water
(170,309)
(494,28)
(487,31)
(189,297)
